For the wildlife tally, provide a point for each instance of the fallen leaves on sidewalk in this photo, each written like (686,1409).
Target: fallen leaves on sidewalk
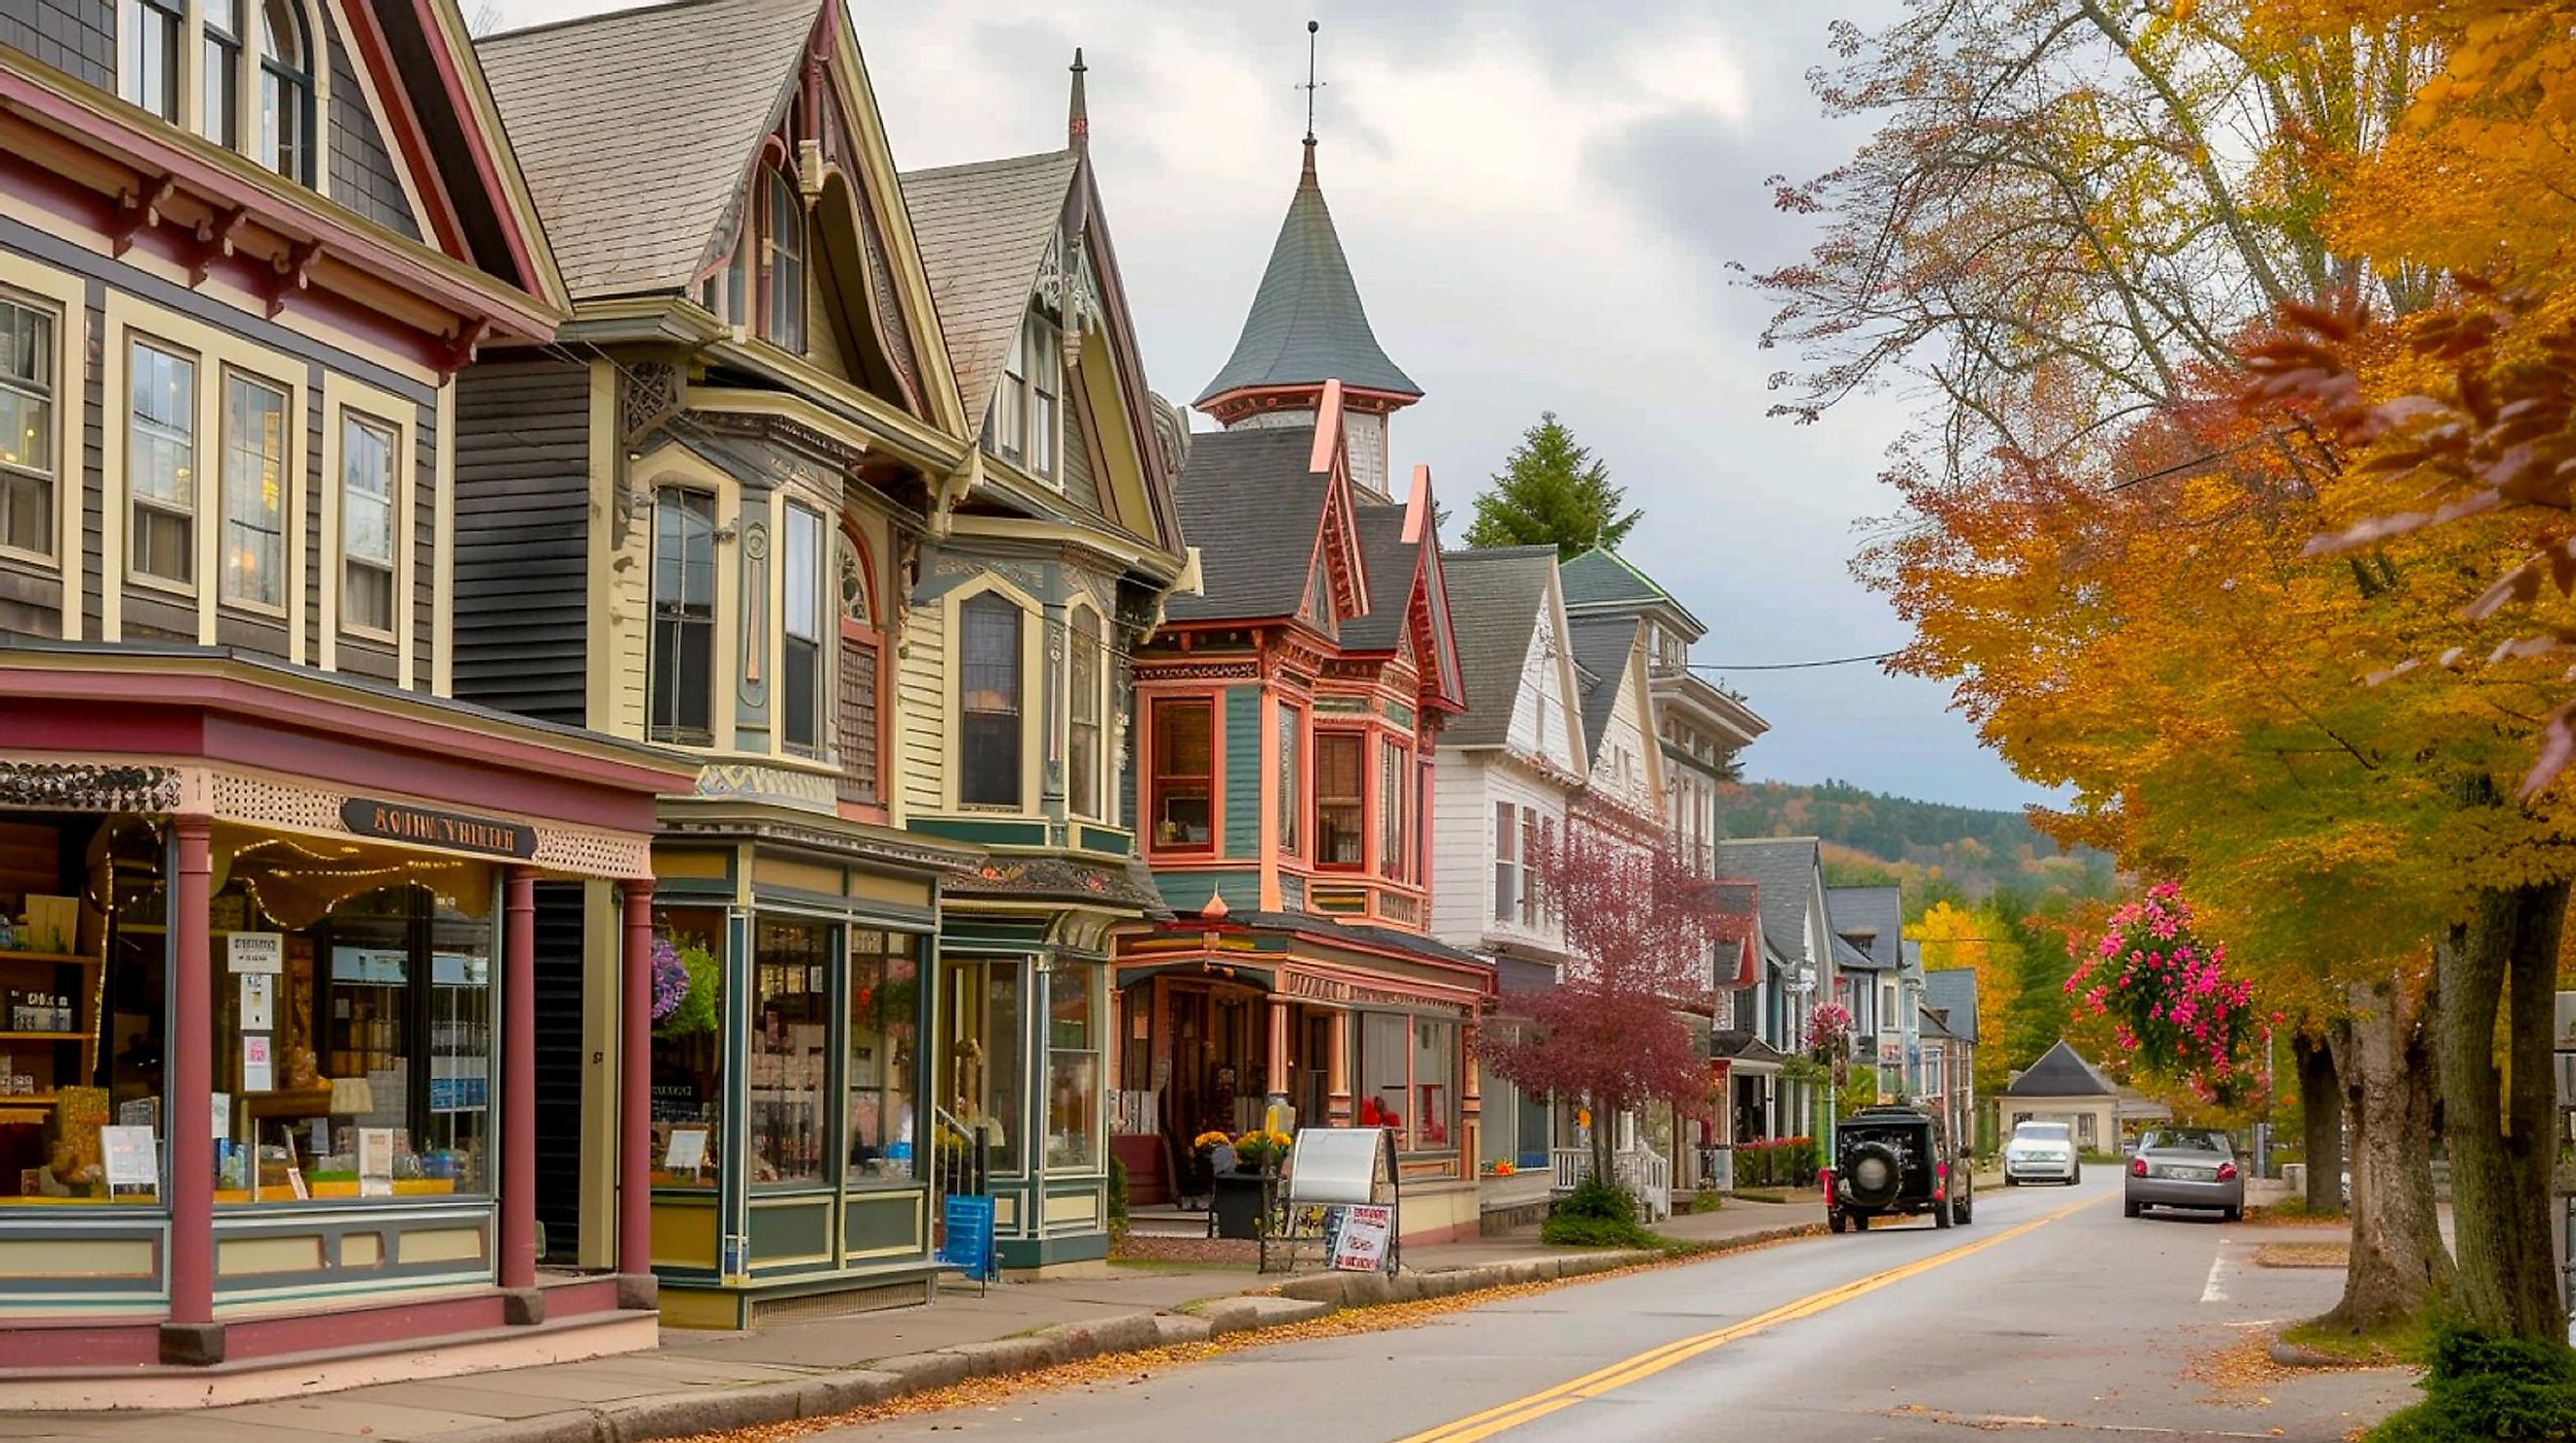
(2303,1255)
(1130,1369)
(2243,1367)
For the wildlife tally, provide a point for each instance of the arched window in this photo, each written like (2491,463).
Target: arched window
(220,95)
(284,137)
(785,302)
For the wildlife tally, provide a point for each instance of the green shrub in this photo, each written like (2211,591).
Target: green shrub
(1596,1198)
(2481,1387)
(1117,1198)
(1563,1231)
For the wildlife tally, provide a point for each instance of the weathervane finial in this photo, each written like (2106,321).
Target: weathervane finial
(1312,84)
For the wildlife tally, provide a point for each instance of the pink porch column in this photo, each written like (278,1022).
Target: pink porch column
(192,1083)
(635,1086)
(1277,1057)
(519,1081)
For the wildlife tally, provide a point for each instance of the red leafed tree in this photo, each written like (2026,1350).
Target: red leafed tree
(1640,927)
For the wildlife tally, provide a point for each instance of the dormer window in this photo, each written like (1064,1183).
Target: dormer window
(784,303)
(1028,405)
(285,138)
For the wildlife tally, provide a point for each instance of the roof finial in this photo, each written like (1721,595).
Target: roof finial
(1310,87)
(1077,120)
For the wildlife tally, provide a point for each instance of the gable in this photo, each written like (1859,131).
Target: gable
(1546,722)
(1623,761)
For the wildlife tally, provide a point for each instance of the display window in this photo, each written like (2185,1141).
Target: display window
(688,1046)
(791,1017)
(884,1055)
(982,1091)
(1408,1079)
(1073,1067)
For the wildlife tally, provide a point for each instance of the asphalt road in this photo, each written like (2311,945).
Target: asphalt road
(2050,1314)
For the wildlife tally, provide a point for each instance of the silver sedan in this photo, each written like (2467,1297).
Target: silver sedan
(2185,1167)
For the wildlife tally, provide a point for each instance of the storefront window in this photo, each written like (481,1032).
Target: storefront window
(1381,1098)
(1435,1084)
(688,1047)
(982,1088)
(1073,1067)
(885,1008)
(790,1026)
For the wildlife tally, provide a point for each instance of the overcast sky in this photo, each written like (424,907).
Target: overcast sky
(1538,201)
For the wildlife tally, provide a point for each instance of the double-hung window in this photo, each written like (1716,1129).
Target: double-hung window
(285,134)
(1391,820)
(681,667)
(1291,756)
(254,492)
(786,300)
(1084,676)
(800,720)
(1508,880)
(152,55)
(367,523)
(989,711)
(161,463)
(1184,775)
(26,429)
(1341,798)
(1046,385)
(219,91)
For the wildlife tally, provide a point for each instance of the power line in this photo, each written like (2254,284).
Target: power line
(1791,665)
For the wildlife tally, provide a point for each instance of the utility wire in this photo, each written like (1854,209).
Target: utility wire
(1791,665)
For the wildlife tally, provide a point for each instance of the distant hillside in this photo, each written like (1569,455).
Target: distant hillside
(1929,847)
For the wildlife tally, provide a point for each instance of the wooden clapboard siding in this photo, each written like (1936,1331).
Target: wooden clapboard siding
(522,539)
(921,711)
(1242,771)
(1462,827)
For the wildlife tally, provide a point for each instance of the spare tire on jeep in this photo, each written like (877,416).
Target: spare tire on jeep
(1872,1173)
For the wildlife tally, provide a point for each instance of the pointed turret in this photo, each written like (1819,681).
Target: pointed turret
(1077,117)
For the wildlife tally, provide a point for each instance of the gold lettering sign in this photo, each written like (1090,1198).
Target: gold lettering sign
(394,822)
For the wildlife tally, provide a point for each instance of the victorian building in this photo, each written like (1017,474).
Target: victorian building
(696,522)
(1288,712)
(271,1077)
(1047,566)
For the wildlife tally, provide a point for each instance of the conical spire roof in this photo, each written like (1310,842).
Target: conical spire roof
(1306,325)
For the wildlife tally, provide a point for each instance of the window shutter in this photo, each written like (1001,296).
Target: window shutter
(858,721)
(1506,870)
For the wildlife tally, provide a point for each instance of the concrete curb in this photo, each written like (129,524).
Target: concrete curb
(750,1405)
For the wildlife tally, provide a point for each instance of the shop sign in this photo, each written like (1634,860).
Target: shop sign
(1355,1238)
(255,952)
(394,822)
(968,1244)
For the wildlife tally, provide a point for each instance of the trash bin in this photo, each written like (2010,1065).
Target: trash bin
(1236,1207)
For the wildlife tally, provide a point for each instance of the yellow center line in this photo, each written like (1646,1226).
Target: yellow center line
(1645,1365)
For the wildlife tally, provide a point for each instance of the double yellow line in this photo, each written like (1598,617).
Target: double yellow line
(1655,1360)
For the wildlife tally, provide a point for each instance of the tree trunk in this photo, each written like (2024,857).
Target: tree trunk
(2398,1266)
(2499,968)
(2321,1111)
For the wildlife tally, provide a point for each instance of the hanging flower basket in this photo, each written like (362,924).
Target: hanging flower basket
(687,985)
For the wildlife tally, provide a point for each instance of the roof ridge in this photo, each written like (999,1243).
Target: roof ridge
(602,17)
(940,172)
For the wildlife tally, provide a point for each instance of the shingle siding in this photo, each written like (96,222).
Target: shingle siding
(522,539)
(363,176)
(76,37)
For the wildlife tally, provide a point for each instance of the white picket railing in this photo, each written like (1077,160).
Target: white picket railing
(1641,1170)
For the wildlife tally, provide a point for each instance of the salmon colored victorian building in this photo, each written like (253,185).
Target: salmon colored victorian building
(1286,720)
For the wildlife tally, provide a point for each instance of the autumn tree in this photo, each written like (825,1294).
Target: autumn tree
(1552,492)
(1641,925)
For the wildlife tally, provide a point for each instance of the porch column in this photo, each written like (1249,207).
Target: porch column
(1337,1070)
(635,1085)
(519,1081)
(192,1083)
(1277,1074)
(1471,1100)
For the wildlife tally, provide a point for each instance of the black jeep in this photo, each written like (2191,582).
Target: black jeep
(1890,1160)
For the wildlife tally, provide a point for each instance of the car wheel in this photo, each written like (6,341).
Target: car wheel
(2130,1209)
(1860,1222)
(1834,1221)
(1966,1210)
(2075,1177)
(2008,1181)
(2234,1215)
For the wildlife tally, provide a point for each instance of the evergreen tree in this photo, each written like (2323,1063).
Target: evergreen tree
(1551,492)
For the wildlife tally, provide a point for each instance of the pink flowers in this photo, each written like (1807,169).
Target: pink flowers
(2166,991)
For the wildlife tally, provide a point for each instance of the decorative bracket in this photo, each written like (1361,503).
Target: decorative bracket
(462,346)
(294,273)
(140,211)
(214,242)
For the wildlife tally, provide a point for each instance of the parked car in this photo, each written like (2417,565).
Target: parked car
(2042,1152)
(1894,1160)
(2186,1167)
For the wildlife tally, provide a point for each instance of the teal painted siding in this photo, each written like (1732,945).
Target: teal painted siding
(1242,771)
(1187,892)
(1292,892)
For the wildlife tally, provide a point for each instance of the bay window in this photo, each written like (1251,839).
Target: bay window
(1392,828)
(367,529)
(1341,793)
(26,429)
(1084,683)
(254,492)
(988,679)
(161,463)
(1291,799)
(885,1004)
(790,1022)
(1180,811)
(800,720)
(680,672)
(984,1086)
(1073,1067)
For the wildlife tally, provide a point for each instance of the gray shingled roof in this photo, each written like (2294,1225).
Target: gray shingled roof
(983,229)
(1494,600)
(637,129)
(1850,958)
(1879,911)
(1784,868)
(1306,326)
(1602,646)
(1253,509)
(1391,561)
(2061,1073)
(1601,580)
(1934,1023)
(1954,988)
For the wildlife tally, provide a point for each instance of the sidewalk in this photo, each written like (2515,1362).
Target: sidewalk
(697,1381)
